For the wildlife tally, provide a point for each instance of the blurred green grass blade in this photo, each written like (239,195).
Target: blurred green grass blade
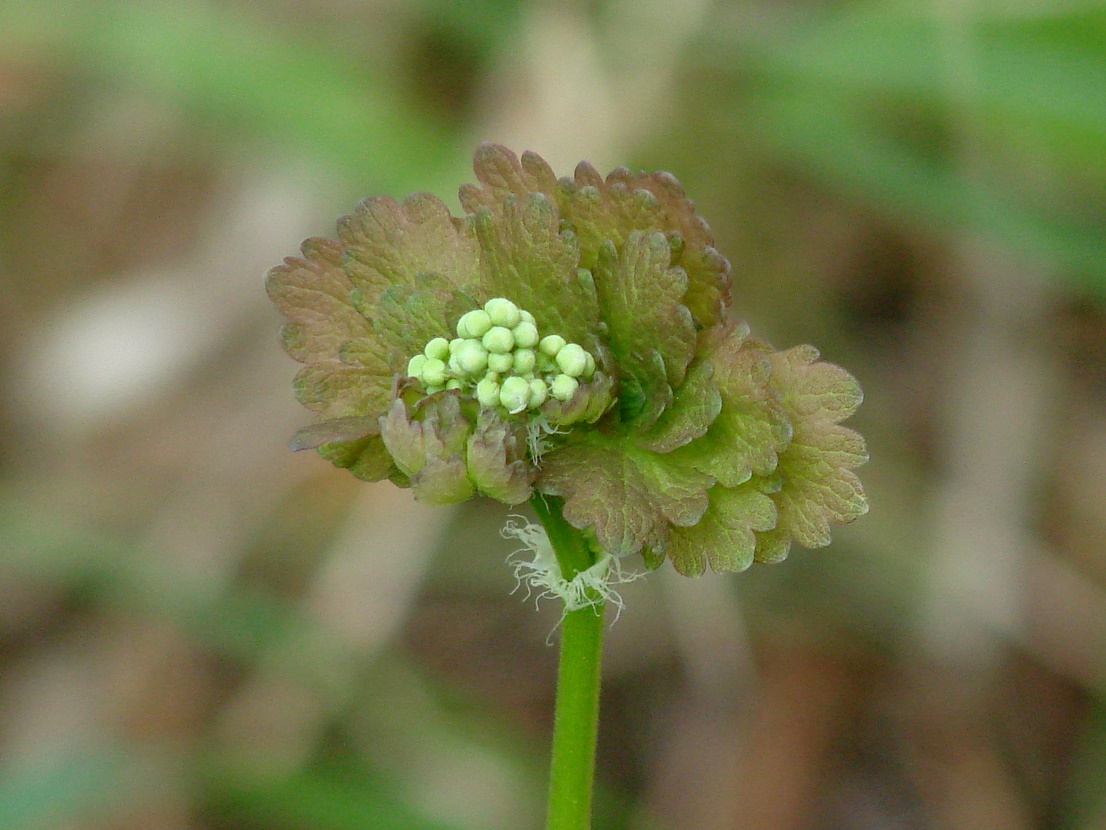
(47,795)
(243,77)
(1047,74)
(841,147)
(332,798)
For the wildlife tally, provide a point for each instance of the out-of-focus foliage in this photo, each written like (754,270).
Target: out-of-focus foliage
(199,629)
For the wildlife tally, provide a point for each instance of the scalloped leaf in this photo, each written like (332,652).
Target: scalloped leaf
(694,407)
(817,487)
(527,259)
(407,317)
(390,243)
(629,497)
(641,298)
(313,293)
(752,427)
(708,272)
(502,174)
(726,536)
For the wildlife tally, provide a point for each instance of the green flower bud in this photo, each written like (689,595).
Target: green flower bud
(435,389)
(572,360)
(527,317)
(514,394)
(471,357)
(551,344)
(453,383)
(589,370)
(564,387)
(525,360)
(474,324)
(539,392)
(503,312)
(498,340)
(437,349)
(501,363)
(434,373)
(487,392)
(526,335)
(415,364)
(455,344)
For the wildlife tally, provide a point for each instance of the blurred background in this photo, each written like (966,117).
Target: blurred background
(200,630)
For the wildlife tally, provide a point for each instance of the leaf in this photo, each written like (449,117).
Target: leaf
(640,295)
(630,497)
(817,485)
(390,244)
(407,317)
(337,429)
(751,428)
(313,293)
(526,258)
(428,445)
(726,535)
(709,279)
(694,407)
(367,457)
(502,175)
(496,462)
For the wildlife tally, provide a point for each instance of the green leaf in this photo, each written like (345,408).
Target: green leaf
(503,175)
(391,244)
(313,293)
(527,259)
(628,496)
(694,407)
(367,457)
(751,428)
(407,317)
(817,486)
(726,535)
(641,297)
(708,272)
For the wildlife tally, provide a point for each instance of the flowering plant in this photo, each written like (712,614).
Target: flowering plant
(568,337)
(568,342)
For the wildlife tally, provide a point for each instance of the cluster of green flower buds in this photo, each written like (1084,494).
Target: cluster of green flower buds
(499,356)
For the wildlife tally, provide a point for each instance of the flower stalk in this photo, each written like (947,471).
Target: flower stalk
(575,721)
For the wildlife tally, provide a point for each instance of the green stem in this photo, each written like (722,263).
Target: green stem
(576,717)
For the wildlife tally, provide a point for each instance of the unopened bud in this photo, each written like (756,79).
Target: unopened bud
(471,357)
(539,392)
(501,363)
(525,360)
(514,394)
(551,344)
(415,364)
(474,324)
(564,387)
(434,372)
(572,360)
(503,312)
(526,335)
(487,392)
(437,349)
(498,340)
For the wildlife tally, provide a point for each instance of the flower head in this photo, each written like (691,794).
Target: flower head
(568,336)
